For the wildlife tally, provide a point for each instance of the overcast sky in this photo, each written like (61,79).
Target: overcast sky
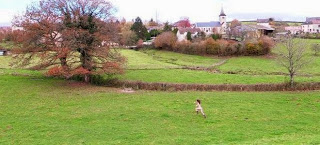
(196,10)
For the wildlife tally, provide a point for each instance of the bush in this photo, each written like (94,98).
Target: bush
(182,47)
(266,43)
(252,48)
(212,47)
(198,48)
(261,46)
(165,40)
(216,36)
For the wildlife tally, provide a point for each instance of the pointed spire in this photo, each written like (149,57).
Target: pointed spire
(222,12)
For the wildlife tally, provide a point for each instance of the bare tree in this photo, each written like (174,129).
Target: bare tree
(292,55)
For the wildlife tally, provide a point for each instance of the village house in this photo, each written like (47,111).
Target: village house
(253,31)
(294,29)
(264,22)
(312,25)
(214,27)
(182,33)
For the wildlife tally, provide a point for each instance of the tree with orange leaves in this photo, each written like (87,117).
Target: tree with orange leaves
(71,37)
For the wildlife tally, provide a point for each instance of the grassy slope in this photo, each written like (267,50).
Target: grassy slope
(181,59)
(5,61)
(7,45)
(260,65)
(77,114)
(202,77)
(139,60)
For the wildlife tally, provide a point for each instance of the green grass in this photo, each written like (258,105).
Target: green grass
(139,60)
(182,59)
(36,110)
(7,45)
(251,65)
(202,77)
(5,61)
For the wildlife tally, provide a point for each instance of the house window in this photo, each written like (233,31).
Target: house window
(318,25)
(207,31)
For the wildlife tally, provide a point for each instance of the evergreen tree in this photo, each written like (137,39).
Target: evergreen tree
(189,36)
(167,27)
(140,29)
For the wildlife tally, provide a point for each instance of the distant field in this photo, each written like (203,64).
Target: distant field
(139,60)
(181,59)
(37,110)
(203,77)
(255,22)
(152,59)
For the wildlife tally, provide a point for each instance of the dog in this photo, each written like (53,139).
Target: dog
(199,108)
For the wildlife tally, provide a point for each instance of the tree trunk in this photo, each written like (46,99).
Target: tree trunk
(291,80)
(86,78)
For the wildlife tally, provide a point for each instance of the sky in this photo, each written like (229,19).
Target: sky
(195,10)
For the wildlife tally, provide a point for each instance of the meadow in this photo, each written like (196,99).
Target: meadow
(39,110)
(164,66)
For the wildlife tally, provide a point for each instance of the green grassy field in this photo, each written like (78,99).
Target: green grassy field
(38,110)
(75,113)
(235,70)
(5,61)
(203,77)
(181,59)
(7,45)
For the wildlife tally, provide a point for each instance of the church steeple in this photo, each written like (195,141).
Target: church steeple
(222,12)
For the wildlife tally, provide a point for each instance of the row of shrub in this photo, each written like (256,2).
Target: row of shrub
(253,47)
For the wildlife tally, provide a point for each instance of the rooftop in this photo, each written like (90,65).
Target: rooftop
(208,24)
(191,30)
(263,20)
(222,12)
(312,20)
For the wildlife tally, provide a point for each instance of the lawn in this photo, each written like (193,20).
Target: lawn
(182,59)
(251,65)
(37,110)
(7,45)
(139,60)
(203,77)
(5,62)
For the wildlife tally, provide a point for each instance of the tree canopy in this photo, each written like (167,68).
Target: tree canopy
(139,29)
(71,37)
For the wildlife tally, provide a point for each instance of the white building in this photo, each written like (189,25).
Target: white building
(312,25)
(214,27)
(183,32)
(294,29)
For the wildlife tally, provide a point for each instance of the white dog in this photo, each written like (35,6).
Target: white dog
(199,108)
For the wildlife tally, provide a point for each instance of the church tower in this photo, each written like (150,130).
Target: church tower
(223,21)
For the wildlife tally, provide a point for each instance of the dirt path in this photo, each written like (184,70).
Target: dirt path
(223,61)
